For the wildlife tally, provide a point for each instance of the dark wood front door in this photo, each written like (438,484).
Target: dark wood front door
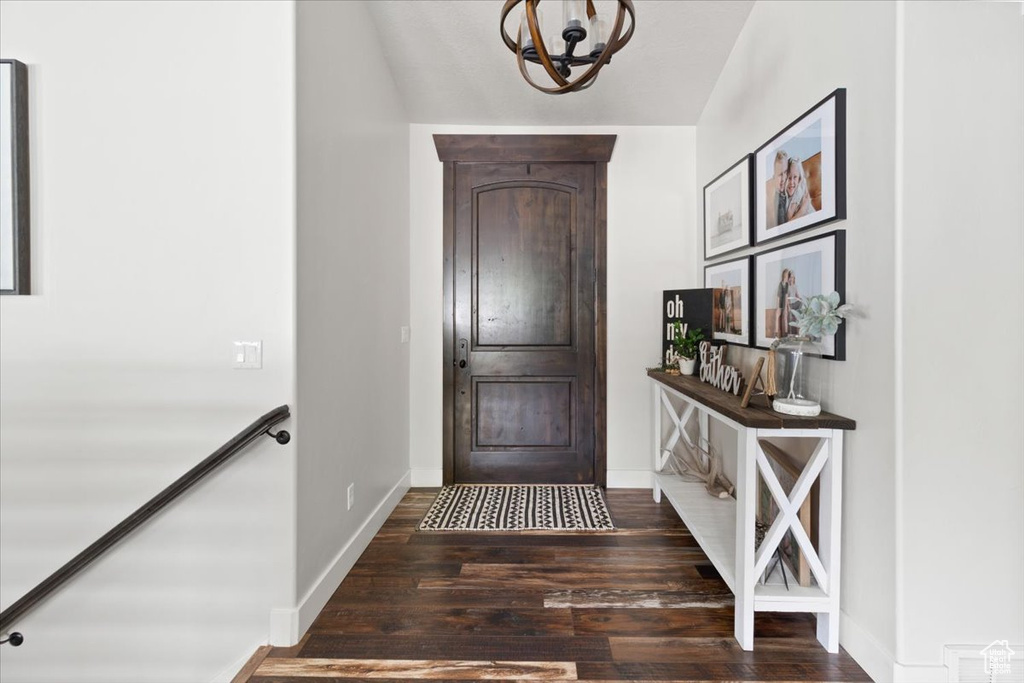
(524,330)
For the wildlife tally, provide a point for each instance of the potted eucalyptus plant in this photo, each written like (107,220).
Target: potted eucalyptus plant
(798,385)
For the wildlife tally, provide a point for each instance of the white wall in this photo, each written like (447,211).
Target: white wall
(651,205)
(353,289)
(789,56)
(933,505)
(962,494)
(162,228)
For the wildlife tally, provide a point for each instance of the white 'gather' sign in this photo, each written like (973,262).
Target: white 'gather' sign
(715,372)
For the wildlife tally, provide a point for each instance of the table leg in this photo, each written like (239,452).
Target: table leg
(656,441)
(746,499)
(830,507)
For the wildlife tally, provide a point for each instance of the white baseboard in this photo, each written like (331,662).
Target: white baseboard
(287,625)
(617,479)
(284,627)
(865,650)
(427,476)
(878,663)
(629,479)
(228,674)
(920,673)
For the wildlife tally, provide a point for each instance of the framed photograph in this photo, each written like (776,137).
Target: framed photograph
(784,278)
(800,174)
(727,202)
(729,283)
(14,215)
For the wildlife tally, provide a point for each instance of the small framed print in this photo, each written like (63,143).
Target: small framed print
(784,278)
(729,283)
(800,174)
(727,202)
(14,206)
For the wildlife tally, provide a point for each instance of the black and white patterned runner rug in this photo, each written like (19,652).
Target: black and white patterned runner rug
(518,508)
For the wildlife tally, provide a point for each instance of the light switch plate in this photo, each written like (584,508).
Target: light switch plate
(248,355)
(405,334)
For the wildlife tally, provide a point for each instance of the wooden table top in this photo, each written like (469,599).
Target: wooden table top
(754,415)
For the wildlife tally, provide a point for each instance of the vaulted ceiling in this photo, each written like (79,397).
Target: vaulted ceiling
(451,66)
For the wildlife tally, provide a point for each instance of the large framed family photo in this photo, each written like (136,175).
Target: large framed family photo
(727,202)
(729,283)
(14,214)
(786,277)
(800,174)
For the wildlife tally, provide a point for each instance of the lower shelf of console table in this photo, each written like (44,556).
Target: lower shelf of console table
(724,527)
(712,521)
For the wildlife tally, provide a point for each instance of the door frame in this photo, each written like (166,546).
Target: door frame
(576,149)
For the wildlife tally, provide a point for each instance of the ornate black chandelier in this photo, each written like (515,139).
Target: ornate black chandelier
(559,55)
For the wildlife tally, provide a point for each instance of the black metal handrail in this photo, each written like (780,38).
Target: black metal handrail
(139,517)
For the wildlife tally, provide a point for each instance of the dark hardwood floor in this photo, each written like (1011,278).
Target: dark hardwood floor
(639,603)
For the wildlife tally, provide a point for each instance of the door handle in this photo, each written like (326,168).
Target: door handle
(463,352)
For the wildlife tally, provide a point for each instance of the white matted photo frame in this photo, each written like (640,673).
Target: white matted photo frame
(800,174)
(14,201)
(784,278)
(731,298)
(727,202)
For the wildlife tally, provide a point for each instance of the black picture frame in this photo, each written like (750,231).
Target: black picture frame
(738,271)
(722,193)
(818,138)
(15,259)
(766,273)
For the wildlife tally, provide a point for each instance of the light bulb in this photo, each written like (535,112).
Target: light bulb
(526,38)
(572,20)
(556,46)
(598,35)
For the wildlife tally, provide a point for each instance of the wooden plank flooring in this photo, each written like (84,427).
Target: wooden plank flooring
(638,603)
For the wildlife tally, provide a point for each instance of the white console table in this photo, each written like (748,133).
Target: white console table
(725,527)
